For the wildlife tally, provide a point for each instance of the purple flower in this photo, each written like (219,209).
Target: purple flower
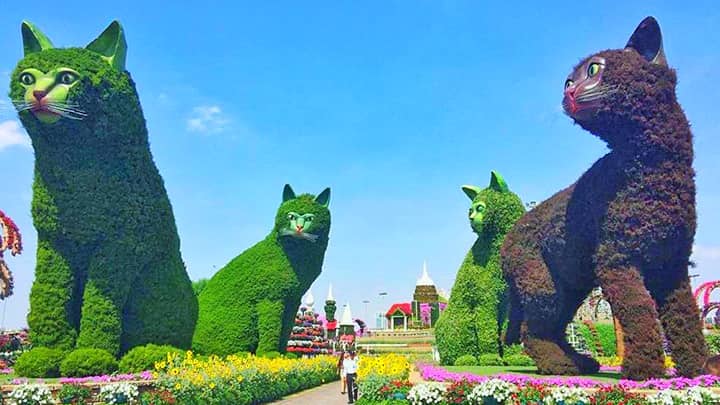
(434,373)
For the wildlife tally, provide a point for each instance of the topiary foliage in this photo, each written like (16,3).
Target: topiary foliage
(88,362)
(143,358)
(473,321)
(39,362)
(627,224)
(109,273)
(250,304)
(466,360)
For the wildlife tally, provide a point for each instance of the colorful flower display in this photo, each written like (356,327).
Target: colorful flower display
(392,366)
(240,379)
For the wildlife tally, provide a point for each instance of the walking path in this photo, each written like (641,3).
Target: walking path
(327,394)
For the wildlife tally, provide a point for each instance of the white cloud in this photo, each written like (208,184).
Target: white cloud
(207,119)
(11,134)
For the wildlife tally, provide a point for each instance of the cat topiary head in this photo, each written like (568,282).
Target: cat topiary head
(53,87)
(614,93)
(303,219)
(494,209)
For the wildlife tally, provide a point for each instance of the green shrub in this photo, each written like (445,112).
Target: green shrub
(466,360)
(518,360)
(489,359)
(270,355)
(88,362)
(513,350)
(606,335)
(39,362)
(142,358)
(713,343)
(73,394)
(291,356)
(370,387)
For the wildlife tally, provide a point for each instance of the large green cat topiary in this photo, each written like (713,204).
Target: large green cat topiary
(473,320)
(250,304)
(109,273)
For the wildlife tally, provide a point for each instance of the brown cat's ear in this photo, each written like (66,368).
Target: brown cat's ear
(647,41)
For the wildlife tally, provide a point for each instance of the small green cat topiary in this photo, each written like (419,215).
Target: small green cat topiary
(250,304)
(109,273)
(473,320)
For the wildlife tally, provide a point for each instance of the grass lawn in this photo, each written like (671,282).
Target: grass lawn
(606,377)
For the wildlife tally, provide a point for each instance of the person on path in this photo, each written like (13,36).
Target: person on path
(341,370)
(350,365)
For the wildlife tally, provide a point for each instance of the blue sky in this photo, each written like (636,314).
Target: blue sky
(393,104)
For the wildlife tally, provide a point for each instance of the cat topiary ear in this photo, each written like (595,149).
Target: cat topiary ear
(471,191)
(111,45)
(497,183)
(33,39)
(323,198)
(647,41)
(288,193)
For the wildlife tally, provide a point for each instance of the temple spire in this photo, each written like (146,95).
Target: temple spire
(425,278)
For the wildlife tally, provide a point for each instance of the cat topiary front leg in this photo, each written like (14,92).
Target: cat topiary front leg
(51,297)
(270,315)
(110,275)
(100,326)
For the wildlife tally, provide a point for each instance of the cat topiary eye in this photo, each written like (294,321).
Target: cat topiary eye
(67,78)
(593,69)
(27,79)
(568,83)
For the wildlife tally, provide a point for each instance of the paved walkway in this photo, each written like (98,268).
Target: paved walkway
(327,394)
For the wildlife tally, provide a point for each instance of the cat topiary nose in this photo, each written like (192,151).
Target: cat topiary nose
(39,94)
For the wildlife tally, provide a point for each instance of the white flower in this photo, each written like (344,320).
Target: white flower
(31,394)
(691,396)
(426,393)
(118,393)
(494,387)
(567,395)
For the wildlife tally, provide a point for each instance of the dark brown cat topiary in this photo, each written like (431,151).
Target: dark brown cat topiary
(627,224)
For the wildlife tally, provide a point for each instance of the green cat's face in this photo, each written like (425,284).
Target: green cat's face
(481,207)
(48,84)
(303,217)
(46,93)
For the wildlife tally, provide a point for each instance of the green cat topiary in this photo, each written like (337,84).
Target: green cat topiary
(250,304)
(473,320)
(109,273)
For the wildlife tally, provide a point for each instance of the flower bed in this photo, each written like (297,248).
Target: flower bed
(496,391)
(435,373)
(240,379)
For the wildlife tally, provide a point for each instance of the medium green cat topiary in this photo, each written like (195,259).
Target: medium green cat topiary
(473,320)
(250,304)
(109,273)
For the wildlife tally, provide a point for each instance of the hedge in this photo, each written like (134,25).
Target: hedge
(88,362)
(142,358)
(39,362)
(109,272)
(473,321)
(250,304)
